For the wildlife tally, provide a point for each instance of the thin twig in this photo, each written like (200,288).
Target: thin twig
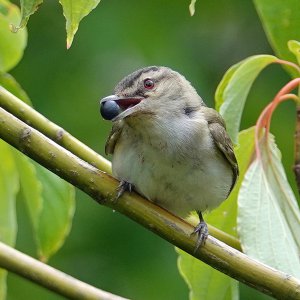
(102,187)
(50,278)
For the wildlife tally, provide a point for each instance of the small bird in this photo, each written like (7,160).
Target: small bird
(167,145)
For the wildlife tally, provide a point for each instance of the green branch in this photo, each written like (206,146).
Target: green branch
(101,187)
(31,117)
(49,277)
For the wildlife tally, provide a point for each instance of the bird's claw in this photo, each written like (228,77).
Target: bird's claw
(202,231)
(123,187)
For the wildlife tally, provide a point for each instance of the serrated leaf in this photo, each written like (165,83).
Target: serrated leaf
(56,217)
(12,44)
(74,12)
(234,88)
(294,47)
(204,282)
(285,197)
(225,216)
(9,186)
(281,22)
(28,7)
(192,7)
(9,83)
(268,222)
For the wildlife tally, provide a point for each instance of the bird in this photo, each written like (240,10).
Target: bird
(168,145)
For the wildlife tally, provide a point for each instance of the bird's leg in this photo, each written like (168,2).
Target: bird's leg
(123,187)
(202,231)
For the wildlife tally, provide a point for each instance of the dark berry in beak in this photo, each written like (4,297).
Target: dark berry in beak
(109,109)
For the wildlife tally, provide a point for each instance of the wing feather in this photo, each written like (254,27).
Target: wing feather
(113,138)
(222,140)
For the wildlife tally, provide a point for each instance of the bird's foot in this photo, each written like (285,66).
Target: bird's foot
(123,187)
(202,231)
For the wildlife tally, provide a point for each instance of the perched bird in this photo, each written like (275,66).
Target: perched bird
(168,145)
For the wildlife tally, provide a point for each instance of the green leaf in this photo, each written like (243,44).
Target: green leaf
(234,88)
(56,217)
(294,47)
(204,282)
(9,83)
(9,186)
(219,94)
(281,22)
(268,222)
(74,12)
(28,7)
(225,216)
(192,7)
(199,276)
(12,45)
(31,187)
(50,204)
(285,197)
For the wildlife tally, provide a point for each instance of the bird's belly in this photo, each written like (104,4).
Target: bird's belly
(179,185)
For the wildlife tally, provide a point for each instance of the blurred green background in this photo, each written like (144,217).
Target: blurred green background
(105,248)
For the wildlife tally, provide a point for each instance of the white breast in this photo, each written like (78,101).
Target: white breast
(174,164)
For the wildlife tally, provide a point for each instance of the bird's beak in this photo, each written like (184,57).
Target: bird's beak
(115,108)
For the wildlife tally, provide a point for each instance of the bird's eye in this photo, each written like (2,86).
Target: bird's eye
(148,84)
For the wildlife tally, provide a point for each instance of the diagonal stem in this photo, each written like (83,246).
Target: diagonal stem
(101,187)
(264,119)
(33,118)
(50,278)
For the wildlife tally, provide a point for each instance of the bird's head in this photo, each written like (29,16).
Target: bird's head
(153,92)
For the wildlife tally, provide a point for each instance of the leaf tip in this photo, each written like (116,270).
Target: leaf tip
(13,28)
(192,10)
(69,42)
(71,31)
(192,7)
(43,258)
(294,47)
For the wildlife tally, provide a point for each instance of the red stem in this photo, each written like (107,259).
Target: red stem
(264,119)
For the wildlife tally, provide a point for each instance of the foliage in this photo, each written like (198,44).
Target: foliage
(9,187)
(200,277)
(74,12)
(49,200)
(267,207)
(268,213)
(50,204)
(262,210)
(281,24)
(12,45)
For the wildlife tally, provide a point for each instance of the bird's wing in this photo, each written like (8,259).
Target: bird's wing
(222,140)
(113,138)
